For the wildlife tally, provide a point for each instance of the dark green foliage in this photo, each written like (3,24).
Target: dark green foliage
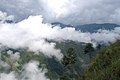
(64,78)
(88,48)
(70,58)
(106,65)
(70,62)
(55,69)
(99,46)
(79,50)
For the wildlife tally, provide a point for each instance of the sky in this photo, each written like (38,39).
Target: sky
(72,12)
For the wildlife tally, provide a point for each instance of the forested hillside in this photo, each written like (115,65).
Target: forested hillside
(106,65)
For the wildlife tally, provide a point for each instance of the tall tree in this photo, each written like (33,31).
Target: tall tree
(70,58)
(89,49)
(98,46)
(69,61)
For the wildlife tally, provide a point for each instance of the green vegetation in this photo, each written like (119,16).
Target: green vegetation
(89,49)
(70,67)
(70,58)
(106,65)
(69,62)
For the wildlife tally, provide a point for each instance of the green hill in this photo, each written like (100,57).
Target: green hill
(106,65)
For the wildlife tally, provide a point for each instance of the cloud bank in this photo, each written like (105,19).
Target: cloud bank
(34,35)
(65,11)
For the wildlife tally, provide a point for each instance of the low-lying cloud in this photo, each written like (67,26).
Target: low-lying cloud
(31,72)
(10,76)
(4,16)
(33,34)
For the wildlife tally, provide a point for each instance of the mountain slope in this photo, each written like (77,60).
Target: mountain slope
(106,65)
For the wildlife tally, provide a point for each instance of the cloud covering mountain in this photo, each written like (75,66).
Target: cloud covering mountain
(31,28)
(35,35)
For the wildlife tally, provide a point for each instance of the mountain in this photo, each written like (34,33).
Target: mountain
(95,27)
(89,27)
(106,65)
(61,24)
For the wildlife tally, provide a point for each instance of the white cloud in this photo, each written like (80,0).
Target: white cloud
(10,76)
(106,36)
(4,65)
(14,56)
(29,34)
(31,72)
(32,33)
(4,16)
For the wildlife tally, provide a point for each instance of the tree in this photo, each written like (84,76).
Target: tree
(64,77)
(70,58)
(69,61)
(98,46)
(88,49)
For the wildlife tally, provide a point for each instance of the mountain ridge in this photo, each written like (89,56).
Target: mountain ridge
(94,27)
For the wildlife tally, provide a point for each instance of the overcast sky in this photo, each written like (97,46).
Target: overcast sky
(65,11)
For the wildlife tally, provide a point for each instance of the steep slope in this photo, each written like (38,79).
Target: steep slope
(106,65)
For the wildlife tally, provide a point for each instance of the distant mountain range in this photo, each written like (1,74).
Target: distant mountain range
(89,27)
